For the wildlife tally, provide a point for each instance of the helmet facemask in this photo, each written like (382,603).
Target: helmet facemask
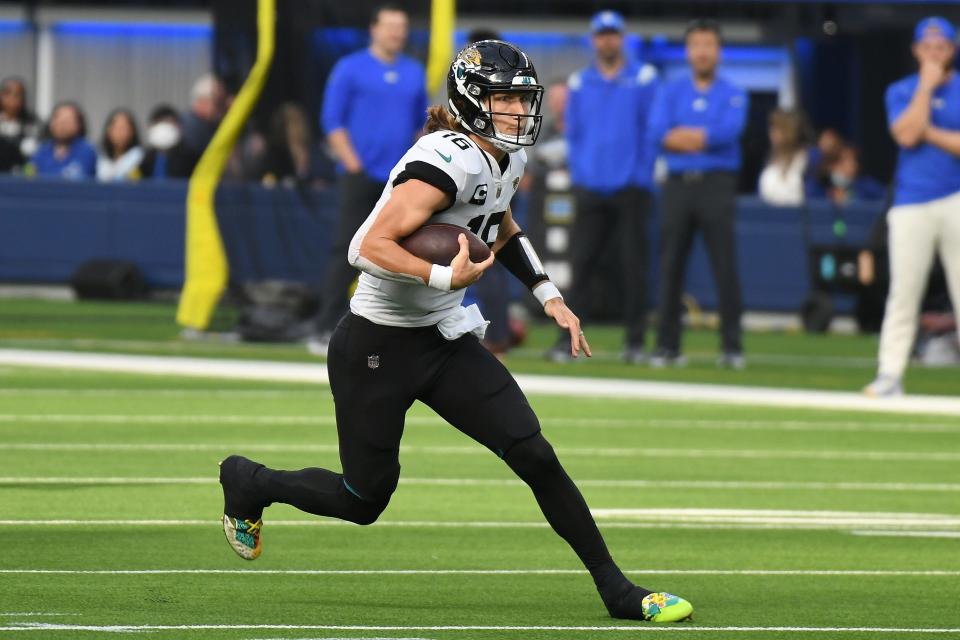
(472,86)
(523,128)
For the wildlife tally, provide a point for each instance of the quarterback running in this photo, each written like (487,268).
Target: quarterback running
(407,336)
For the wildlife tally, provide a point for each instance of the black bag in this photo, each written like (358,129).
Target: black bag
(276,311)
(105,279)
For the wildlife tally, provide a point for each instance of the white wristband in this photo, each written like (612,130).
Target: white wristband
(440,277)
(546,291)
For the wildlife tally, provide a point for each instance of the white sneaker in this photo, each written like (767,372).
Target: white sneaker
(319,345)
(885,386)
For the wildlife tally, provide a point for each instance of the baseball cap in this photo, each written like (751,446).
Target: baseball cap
(606,21)
(934,25)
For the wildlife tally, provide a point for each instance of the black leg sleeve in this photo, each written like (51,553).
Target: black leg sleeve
(535,462)
(320,492)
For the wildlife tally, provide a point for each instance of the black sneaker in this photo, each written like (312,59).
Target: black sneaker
(242,510)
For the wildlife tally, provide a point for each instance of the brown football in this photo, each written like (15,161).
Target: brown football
(437,243)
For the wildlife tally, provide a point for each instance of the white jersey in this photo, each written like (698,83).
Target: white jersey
(481,193)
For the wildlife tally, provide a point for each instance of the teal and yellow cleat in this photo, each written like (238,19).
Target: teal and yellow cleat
(666,607)
(243,536)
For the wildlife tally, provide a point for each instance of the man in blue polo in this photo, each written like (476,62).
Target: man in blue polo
(923,112)
(374,105)
(611,169)
(695,123)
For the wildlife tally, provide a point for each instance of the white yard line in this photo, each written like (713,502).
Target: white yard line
(692,518)
(487,482)
(909,534)
(534,384)
(598,452)
(32,614)
(549,422)
(636,628)
(840,519)
(472,572)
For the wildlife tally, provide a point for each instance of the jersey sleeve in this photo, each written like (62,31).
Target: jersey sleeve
(336,98)
(445,160)
(897,99)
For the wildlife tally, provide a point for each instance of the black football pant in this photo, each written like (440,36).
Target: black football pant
(706,203)
(376,373)
(615,221)
(358,194)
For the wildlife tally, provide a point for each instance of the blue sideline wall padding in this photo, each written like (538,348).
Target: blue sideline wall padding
(48,228)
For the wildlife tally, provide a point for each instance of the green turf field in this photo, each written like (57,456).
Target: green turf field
(776,359)
(793,523)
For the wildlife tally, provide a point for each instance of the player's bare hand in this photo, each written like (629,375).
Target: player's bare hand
(557,309)
(466,272)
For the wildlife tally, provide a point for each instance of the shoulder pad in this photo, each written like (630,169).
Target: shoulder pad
(465,155)
(521,156)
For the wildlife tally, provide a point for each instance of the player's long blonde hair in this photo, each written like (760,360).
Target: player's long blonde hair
(440,119)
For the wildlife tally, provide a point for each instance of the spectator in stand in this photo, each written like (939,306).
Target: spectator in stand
(66,153)
(846,184)
(374,106)
(289,156)
(163,136)
(821,156)
(121,153)
(18,126)
(782,180)
(208,101)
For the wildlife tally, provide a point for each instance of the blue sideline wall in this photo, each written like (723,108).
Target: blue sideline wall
(49,227)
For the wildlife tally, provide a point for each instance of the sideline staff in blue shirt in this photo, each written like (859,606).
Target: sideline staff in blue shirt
(611,169)
(923,111)
(374,105)
(696,122)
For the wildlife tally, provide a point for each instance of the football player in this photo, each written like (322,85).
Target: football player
(407,336)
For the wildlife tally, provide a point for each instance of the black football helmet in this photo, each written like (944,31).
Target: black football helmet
(488,67)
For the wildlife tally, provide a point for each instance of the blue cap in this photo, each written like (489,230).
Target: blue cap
(934,25)
(606,21)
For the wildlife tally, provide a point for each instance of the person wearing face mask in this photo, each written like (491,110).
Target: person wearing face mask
(18,125)
(67,153)
(923,111)
(845,182)
(163,136)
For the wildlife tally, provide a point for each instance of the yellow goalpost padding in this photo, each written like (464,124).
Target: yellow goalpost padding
(206,261)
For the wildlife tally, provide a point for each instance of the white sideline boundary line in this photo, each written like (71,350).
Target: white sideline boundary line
(533,384)
(488,482)
(638,628)
(474,572)
(600,452)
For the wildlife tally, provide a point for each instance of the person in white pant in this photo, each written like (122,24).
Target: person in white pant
(924,115)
